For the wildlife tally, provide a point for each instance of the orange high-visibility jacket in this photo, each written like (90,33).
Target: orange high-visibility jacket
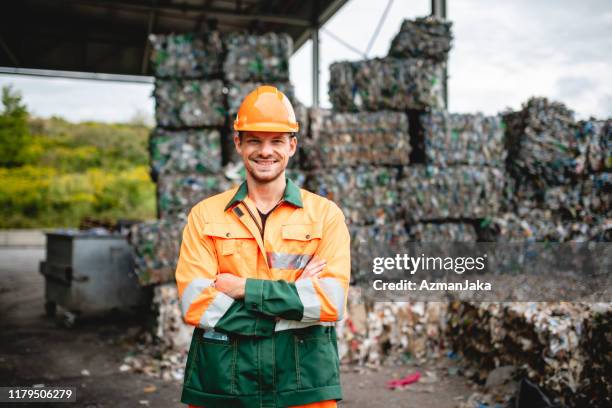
(277,346)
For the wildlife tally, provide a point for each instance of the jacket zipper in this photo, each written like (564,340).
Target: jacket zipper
(254,219)
(260,228)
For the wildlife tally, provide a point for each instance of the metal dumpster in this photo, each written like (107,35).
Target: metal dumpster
(87,273)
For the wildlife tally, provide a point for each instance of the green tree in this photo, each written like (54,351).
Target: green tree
(14,130)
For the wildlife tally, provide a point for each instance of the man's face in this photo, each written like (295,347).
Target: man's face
(265,154)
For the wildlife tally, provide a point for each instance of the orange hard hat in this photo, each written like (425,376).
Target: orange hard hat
(266,109)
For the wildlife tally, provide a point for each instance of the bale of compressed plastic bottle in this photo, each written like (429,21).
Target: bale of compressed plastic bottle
(595,145)
(195,151)
(156,249)
(386,84)
(366,194)
(472,139)
(543,141)
(183,103)
(186,55)
(445,232)
(371,241)
(456,192)
(252,58)
(424,37)
(178,193)
(351,139)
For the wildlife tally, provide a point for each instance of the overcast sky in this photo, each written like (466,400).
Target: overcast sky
(503,53)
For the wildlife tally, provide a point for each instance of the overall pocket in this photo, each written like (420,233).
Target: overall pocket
(192,361)
(216,363)
(317,357)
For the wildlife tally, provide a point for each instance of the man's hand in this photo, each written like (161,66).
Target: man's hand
(231,285)
(313,269)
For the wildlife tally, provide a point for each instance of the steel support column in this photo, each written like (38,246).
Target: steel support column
(438,9)
(315,67)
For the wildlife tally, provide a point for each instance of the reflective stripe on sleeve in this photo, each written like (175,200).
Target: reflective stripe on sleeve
(192,291)
(335,292)
(215,311)
(310,300)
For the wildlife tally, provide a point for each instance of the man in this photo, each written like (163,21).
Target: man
(263,274)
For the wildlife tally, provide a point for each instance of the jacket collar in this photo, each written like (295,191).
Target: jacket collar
(291,195)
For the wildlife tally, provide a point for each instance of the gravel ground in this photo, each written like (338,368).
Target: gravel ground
(34,349)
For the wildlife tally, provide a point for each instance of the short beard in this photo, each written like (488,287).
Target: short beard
(267,179)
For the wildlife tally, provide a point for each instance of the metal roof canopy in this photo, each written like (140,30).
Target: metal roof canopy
(90,39)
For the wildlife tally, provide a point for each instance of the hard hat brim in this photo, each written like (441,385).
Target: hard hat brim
(266,127)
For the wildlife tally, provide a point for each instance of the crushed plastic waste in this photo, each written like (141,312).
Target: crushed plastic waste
(435,193)
(559,190)
(442,232)
(350,139)
(385,333)
(156,247)
(186,55)
(366,194)
(257,57)
(595,145)
(543,142)
(473,139)
(547,342)
(184,151)
(183,103)
(385,84)
(404,381)
(424,37)
(177,193)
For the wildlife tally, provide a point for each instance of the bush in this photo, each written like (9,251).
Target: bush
(43,197)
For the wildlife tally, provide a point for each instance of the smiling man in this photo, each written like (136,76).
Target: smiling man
(263,275)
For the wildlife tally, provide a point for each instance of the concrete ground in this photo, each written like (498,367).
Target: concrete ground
(34,349)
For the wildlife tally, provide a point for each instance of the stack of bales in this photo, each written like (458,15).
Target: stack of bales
(369,154)
(559,191)
(560,184)
(200,81)
(363,147)
(185,147)
(252,61)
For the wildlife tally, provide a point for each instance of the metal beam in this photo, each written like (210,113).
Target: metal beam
(77,75)
(210,12)
(314,16)
(326,14)
(147,46)
(315,67)
(438,9)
